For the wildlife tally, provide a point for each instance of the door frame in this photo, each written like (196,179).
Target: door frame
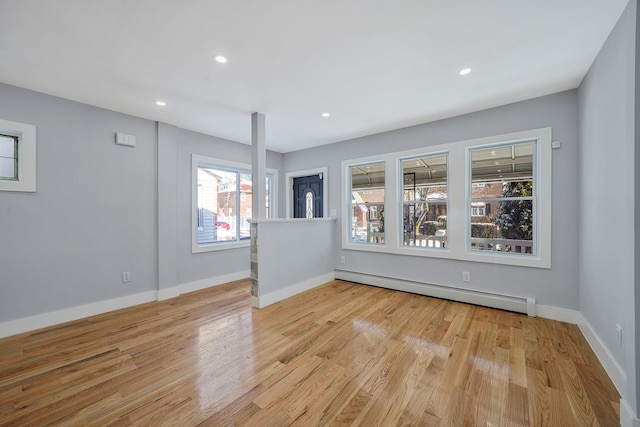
(307,172)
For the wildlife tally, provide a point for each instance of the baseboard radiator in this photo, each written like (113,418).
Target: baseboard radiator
(486,299)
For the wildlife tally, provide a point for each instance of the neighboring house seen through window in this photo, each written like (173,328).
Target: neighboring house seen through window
(484,200)
(223,203)
(367,203)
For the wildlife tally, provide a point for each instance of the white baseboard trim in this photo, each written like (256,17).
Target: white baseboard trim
(558,313)
(26,324)
(168,293)
(614,370)
(18,326)
(627,417)
(504,302)
(197,285)
(273,297)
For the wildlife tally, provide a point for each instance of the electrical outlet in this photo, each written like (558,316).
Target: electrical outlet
(126,276)
(466,276)
(343,260)
(619,335)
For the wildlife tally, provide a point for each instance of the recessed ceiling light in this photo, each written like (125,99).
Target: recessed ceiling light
(161,103)
(465,71)
(325,115)
(221,59)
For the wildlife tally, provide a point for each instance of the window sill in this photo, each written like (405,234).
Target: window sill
(278,220)
(220,246)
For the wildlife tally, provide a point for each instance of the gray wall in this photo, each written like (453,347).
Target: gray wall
(93,215)
(633,368)
(96,210)
(557,286)
(192,267)
(285,259)
(607,202)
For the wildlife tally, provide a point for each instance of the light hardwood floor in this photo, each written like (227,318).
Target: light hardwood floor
(340,354)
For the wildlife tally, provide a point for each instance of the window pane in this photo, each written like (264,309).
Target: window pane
(493,166)
(425,201)
(367,200)
(8,169)
(216,205)
(8,158)
(268,196)
(511,231)
(246,203)
(501,209)
(8,147)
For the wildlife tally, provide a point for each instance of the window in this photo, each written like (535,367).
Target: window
(17,156)
(424,201)
(482,200)
(478,209)
(507,174)
(373,212)
(367,203)
(8,157)
(222,203)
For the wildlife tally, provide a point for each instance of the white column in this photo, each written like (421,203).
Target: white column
(167,211)
(258,165)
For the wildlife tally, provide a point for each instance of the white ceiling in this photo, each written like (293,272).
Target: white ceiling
(375,65)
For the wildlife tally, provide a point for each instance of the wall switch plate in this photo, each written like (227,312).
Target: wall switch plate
(126,276)
(466,276)
(343,260)
(126,140)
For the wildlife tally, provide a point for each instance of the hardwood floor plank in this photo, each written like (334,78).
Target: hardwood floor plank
(339,354)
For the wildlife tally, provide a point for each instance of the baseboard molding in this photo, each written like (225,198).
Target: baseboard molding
(558,313)
(627,417)
(168,293)
(614,370)
(504,302)
(273,297)
(198,285)
(18,326)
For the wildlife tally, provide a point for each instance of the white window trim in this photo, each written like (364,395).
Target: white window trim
(458,175)
(211,162)
(390,214)
(26,156)
(400,197)
(308,172)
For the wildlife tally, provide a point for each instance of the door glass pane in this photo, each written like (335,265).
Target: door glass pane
(309,205)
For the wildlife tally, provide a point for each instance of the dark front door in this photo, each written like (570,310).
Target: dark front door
(307,196)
